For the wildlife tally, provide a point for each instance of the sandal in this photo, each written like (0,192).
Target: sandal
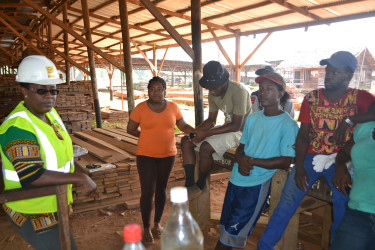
(147,238)
(157,231)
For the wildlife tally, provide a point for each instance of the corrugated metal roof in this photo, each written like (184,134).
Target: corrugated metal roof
(225,17)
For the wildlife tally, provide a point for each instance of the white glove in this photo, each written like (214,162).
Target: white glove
(322,162)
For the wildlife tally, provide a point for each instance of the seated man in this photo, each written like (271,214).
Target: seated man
(231,98)
(323,111)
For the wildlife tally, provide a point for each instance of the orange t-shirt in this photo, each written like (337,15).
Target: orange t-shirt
(157,129)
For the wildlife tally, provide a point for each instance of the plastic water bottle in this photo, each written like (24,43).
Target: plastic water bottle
(181,230)
(133,237)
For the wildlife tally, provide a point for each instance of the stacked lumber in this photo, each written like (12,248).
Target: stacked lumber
(75,105)
(113,114)
(10,94)
(119,185)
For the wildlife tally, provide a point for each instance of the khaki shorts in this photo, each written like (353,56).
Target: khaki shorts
(221,143)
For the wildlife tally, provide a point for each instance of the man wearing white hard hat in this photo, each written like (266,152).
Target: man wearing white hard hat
(37,151)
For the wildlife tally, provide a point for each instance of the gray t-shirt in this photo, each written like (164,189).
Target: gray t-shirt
(235,102)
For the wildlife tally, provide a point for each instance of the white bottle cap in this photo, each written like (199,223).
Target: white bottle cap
(179,195)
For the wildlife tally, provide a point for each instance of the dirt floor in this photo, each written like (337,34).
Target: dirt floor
(96,230)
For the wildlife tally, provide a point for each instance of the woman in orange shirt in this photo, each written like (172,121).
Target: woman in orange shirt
(156,151)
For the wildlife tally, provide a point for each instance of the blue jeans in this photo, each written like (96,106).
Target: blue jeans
(356,231)
(291,198)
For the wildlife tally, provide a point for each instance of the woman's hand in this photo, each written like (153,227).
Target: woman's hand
(89,186)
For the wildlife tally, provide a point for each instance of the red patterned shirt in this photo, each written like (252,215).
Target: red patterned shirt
(325,116)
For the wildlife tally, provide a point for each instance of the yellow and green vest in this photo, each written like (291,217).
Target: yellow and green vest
(56,154)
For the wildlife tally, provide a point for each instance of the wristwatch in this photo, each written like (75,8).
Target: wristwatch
(348,121)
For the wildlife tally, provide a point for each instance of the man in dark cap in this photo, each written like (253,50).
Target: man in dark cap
(324,111)
(286,104)
(212,142)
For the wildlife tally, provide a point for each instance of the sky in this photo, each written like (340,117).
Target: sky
(342,36)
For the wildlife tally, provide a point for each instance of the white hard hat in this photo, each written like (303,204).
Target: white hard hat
(39,70)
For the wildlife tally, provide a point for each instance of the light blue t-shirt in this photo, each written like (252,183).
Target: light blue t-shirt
(363,158)
(265,137)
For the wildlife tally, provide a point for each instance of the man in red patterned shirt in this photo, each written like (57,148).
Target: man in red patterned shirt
(327,117)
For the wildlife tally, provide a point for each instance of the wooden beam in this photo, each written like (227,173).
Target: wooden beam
(66,42)
(297,9)
(110,20)
(221,48)
(150,64)
(33,35)
(182,16)
(90,53)
(311,23)
(237,70)
(127,53)
(162,61)
(168,27)
(197,60)
(255,50)
(74,34)
(8,53)
(154,59)
(28,42)
(242,9)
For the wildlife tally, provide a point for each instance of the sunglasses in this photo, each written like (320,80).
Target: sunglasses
(45,91)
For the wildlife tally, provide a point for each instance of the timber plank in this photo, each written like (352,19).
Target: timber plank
(122,132)
(100,153)
(123,144)
(94,137)
(95,151)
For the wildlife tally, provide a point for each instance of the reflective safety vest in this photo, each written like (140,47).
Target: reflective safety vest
(56,154)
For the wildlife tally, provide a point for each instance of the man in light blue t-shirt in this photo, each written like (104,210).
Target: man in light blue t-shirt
(267,144)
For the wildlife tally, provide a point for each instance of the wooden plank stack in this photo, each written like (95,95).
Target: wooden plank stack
(114,114)
(118,185)
(10,94)
(75,105)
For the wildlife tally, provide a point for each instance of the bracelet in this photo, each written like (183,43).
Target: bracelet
(348,121)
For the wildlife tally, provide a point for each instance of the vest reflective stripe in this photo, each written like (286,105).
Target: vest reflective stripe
(51,160)
(57,118)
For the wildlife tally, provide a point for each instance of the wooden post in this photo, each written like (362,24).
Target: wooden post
(62,206)
(237,70)
(66,41)
(122,77)
(90,53)
(154,59)
(197,59)
(127,53)
(63,213)
(200,207)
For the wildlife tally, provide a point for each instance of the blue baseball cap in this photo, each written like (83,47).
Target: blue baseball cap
(263,71)
(341,59)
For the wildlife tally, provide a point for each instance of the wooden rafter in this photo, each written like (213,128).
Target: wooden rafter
(33,35)
(150,64)
(168,27)
(302,11)
(73,33)
(28,42)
